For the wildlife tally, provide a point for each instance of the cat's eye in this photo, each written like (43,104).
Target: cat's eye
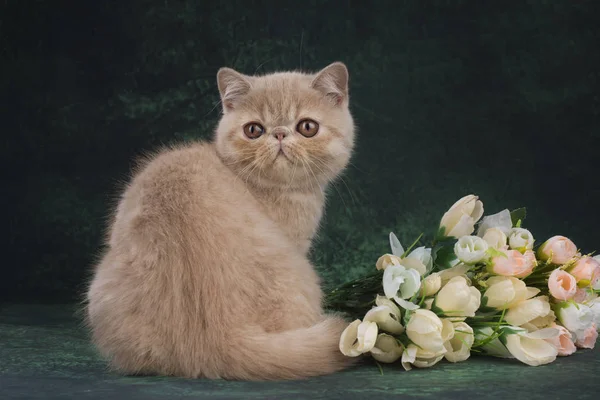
(307,127)
(253,130)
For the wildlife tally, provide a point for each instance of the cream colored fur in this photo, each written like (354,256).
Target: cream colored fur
(206,271)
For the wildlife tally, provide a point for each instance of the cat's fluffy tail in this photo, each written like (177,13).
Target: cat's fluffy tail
(293,354)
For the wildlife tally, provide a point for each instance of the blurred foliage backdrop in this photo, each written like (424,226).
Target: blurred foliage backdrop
(451,97)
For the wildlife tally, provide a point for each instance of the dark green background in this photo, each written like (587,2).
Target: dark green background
(451,97)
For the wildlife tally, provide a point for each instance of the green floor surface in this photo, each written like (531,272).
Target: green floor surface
(45,354)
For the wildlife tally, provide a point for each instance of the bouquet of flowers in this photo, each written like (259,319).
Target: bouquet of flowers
(491,292)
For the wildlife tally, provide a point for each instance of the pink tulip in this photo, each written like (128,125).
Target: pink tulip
(514,263)
(586,271)
(563,342)
(559,248)
(588,341)
(562,285)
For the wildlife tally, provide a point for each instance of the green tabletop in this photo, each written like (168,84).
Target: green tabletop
(45,354)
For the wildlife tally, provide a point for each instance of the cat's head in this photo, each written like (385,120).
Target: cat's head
(286,129)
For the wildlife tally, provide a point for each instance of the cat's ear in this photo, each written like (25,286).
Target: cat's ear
(232,86)
(332,81)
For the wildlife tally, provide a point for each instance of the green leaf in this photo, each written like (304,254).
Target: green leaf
(444,256)
(440,235)
(495,253)
(518,216)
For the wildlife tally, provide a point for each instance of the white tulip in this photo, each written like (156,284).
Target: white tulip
(594,305)
(414,263)
(418,262)
(428,331)
(387,349)
(545,321)
(520,239)
(458,299)
(495,238)
(358,338)
(400,283)
(528,310)
(396,246)
(460,219)
(458,270)
(431,285)
(386,318)
(471,249)
(532,348)
(575,317)
(415,356)
(506,291)
(422,254)
(501,221)
(384,301)
(459,347)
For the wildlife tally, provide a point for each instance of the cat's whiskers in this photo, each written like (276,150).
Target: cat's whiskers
(334,183)
(262,164)
(257,163)
(246,169)
(315,181)
(239,160)
(290,183)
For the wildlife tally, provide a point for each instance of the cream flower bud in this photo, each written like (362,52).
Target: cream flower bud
(386,260)
(428,331)
(458,299)
(471,249)
(458,270)
(506,291)
(460,219)
(384,301)
(431,285)
(423,255)
(358,338)
(459,347)
(420,358)
(387,349)
(528,310)
(386,318)
(495,238)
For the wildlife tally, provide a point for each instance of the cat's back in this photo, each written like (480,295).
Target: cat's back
(176,185)
(188,173)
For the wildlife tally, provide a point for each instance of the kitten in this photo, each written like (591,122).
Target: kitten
(206,272)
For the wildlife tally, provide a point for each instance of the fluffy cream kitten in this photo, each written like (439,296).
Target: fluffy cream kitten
(206,271)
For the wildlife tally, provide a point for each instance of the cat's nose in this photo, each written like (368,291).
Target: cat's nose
(280,133)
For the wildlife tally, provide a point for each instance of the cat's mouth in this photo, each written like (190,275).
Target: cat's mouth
(282,153)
